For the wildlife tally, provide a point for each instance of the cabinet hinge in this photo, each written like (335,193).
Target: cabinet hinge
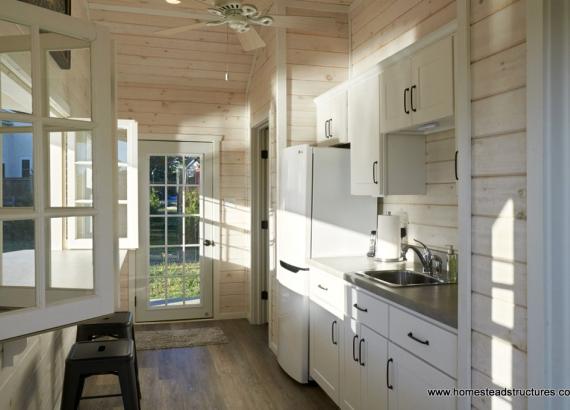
(135,301)
(264,154)
(264,295)
(264,224)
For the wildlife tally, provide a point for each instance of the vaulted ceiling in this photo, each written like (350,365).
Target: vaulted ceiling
(195,59)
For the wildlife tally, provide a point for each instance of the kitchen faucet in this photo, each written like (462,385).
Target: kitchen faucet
(432,264)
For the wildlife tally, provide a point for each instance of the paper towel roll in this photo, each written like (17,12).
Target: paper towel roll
(388,240)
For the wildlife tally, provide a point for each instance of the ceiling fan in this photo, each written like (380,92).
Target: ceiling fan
(238,17)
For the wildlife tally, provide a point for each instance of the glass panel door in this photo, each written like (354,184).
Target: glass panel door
(175,272)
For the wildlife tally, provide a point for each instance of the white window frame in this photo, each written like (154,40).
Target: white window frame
(46,316)
(131,241)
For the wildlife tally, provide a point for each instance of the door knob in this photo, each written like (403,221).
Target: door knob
(208,242)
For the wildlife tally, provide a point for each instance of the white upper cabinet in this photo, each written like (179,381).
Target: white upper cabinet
(431,93)
(332,117)
(418,89)
(364,132)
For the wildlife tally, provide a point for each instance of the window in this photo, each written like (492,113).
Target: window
(127,156)
(26,168)
(57,237)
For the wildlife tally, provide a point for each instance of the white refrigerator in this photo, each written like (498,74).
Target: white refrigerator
(317,217)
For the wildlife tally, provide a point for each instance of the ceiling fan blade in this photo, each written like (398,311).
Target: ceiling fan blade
(153,12)
(251,40)
(303,23)
(181,29)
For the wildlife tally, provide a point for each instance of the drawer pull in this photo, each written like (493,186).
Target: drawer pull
(360,353)
(360,308)
(390,386)
(322,287)
(424,342)
(354,339)
(333,325)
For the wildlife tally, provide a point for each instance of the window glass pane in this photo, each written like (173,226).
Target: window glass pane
(123,218)
(192,234)
(123,167)
(156,169)
(157,231)
(174,200)
(68,70)
(175,231)
(15,68)
(17,167)
(71,258)
(17,270)
(175,167)
(71,179)
(157,205)
(192,200)
(192,165)
(192,274)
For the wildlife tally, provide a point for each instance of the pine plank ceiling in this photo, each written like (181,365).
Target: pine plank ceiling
(197,59)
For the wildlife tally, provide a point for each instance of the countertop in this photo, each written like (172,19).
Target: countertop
(438,302)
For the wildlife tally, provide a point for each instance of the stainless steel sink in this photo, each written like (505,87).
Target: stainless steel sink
(401,278)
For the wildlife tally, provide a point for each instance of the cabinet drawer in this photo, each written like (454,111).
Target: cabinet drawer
(427,341)
(327,289)
(367,310)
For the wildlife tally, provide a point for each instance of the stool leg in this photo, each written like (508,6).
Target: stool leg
(131,331)
(129,391)
(72,389)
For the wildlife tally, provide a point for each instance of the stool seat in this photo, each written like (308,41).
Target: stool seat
(103,350)
(122,318)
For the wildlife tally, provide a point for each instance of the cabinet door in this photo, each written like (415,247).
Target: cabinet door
(410,378)
(432,82)
(351,389)
(323,116)
(373,350)
(364,135)
(338,117)
(395,97)
(325,335)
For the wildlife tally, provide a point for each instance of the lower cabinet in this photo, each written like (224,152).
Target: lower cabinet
(409,379)
(379,375)
(325,350)
(365,360)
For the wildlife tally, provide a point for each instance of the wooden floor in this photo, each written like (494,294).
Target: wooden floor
(242,374)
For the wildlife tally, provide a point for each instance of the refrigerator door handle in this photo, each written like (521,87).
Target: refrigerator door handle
(291,268)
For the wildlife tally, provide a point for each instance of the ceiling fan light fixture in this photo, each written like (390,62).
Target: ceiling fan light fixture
(262,21)
(173,1)
(249,10)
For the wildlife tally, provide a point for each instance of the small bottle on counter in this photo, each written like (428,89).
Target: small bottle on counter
(451,264)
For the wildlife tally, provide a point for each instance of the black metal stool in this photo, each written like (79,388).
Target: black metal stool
(118,325)
(93,358)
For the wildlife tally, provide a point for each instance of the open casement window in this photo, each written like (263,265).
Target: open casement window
(58,239)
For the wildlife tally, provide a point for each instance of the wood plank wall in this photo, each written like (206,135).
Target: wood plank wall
(432,217)
(381,28)
(316,62)
(498,69)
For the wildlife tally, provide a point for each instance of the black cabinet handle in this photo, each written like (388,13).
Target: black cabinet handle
(412,97)
(354,339)
(374,164)
(456,174)
(406,101)
(424,342)
(291,268)
(330,132)
(326,129)
(390,386)
(333,325)
(322,287)
(360,353)
(360,308)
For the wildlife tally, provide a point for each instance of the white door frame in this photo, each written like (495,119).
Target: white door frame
(215,216)
(258,308)
(548,176)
